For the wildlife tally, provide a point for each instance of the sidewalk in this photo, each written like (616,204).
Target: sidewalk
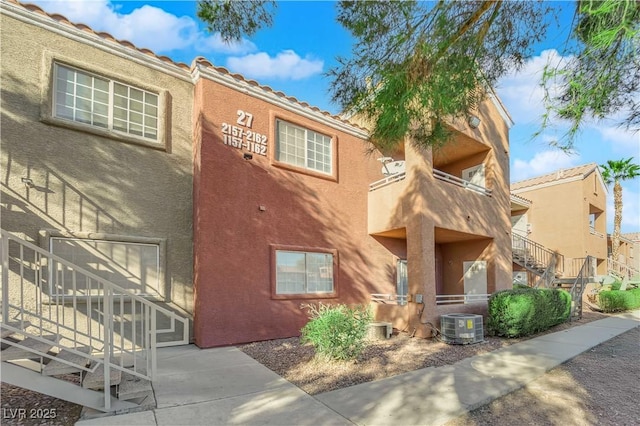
(224,386)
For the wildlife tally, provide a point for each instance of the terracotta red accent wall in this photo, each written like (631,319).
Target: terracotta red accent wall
(243,207)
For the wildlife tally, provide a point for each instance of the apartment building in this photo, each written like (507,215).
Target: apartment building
(564,212)
(627,263)
(229,202)
(97,153)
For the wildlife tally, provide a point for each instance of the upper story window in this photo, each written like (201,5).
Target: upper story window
(97,101)
(305,148)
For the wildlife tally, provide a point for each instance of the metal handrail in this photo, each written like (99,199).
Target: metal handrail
(622,269)
(450,299)
(438,174)
(577,289)
(535,253)
(388,298)
(593,231)
(115,322)
(548,276)
(387,181)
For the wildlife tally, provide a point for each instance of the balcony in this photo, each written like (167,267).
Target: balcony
(387,181)
(385,206)
(446,177)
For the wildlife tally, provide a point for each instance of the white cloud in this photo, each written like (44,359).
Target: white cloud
(521,92)
(623,141)
(146,27)
(285,65)
(542,163)
(630,209)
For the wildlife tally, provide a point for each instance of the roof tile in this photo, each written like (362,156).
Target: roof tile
(583,170)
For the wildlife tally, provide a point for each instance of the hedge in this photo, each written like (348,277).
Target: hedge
(616,300)
(523,312)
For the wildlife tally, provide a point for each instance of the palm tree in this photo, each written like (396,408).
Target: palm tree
(614,172)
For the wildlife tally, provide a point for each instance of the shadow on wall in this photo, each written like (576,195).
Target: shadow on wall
(87,183)
(245,207)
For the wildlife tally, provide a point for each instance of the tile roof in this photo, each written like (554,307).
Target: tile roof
(199,60)
(633,236)
(579,171)
(105,36)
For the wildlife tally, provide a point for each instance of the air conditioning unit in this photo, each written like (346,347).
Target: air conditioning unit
(461,329)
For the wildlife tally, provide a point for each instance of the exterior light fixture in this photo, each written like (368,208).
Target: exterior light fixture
(247,156)
(28,182)
(474,121)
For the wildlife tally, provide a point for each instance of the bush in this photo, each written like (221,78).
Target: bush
(616,300)
(521,286)
(523,312)
(337,331)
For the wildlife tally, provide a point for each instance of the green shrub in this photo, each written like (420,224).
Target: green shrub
(520,286)
(337,331)
(522,312)
(616,300)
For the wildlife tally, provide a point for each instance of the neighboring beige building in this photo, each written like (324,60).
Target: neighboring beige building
(628,252)
(564,212)
(97,153)
(634,255)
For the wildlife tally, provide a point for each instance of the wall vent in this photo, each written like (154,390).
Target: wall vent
(461,329)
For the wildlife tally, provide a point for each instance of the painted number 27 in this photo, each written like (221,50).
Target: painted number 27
(244,118)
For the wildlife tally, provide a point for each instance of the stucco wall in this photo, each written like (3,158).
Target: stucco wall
(90,184)
(559,217)
(244,207)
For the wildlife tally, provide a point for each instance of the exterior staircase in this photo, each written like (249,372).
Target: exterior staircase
(71,334)
(549,267)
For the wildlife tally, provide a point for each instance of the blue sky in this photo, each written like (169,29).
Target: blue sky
(293,55)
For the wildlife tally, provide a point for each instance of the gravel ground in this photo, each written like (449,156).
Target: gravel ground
(24,407)
(599,387)
(400,354)
(381,359)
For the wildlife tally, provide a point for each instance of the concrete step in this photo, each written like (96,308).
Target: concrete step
(95,379)
(4,332)
(132,387)
(56,368)
(15,353)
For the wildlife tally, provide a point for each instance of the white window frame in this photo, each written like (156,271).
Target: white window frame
(280,292)
(154,288)
(111,106)
(306,157)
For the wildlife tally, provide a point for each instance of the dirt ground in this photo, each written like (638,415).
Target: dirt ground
(400,354)
(599,387)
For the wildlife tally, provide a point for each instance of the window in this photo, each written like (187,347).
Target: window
(132,266)
(304,148)
(86,98)
(303,272)
(402,282)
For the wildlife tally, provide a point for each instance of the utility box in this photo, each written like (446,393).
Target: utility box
(380,330)
(461,329)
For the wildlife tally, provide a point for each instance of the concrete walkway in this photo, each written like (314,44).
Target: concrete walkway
(224,386)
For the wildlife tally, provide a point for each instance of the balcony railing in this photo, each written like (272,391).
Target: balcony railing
(389,299)
(387,181)
(452,299)
(593,231)
(438,174)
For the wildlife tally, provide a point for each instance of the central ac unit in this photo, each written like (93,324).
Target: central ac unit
(461,329)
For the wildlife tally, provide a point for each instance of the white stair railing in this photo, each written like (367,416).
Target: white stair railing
(53,296)
(622,269)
